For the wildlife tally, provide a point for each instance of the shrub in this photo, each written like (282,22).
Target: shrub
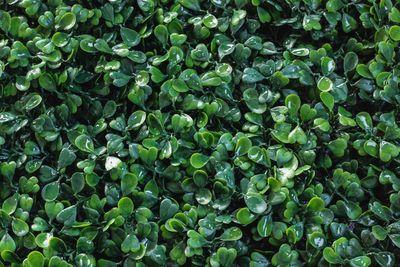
(199,133)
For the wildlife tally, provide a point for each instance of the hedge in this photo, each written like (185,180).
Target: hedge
(212,133)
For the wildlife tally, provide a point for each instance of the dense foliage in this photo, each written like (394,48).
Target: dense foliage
(199,133)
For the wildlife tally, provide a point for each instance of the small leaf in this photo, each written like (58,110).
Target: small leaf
(379,232)
(316,204)
(167,209)
(251,75)
(317,240)
(360,261)
(180,86)
(67,21)
(66,158)
(125,206)
(10,204)
(50,191)
(35,258)
(136,119)
(84,143)
(19,227)
(130,244)
(161,33)
(190,4)
(130,37)
(255,202)
(394,32)
(364,120)
(350,61)
(7,243)
(328,100)
(242,146)
(293,103)
(67,216)
(395,239)
(325,84)
(264,226)
(198,160)
(331,256)
(244,216)
(263,15)
(231,234)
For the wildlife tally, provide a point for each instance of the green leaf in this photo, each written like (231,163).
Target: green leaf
(381,211)
(327,65)
(190,4)
(129,36)
(251,75)
(264,226)
(395,239)
(350,61)
(136,119)
(179,86)
(328,100)
(379,232)
(130,244)
(231,234)
(35,258)
(255,202)
(394,15)
(10,204)
(77,182)
(67,21)
(293,103)
(348,23)
(5,20)
(60,39)
(7,243)
(226,257)
(200,53)
(198,160)
(360,261)
(307,113)
(325,84)
(371,147)
(315,204)
(46,81)
(50,191)
(317,240)
(19,227)
(331,256)
(384,259)
(394,32)
(244,216)
(338,147)
(242,146)
(364,120)
(66,158)
(263,15)
(167,209)
(67,216)
(6,117)
(33,101)
(210,21)
(84,143)
(128,183)
(161,33)
(353,210)
(125,206)
(387,151)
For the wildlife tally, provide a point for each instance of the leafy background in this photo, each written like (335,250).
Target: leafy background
(199,133)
